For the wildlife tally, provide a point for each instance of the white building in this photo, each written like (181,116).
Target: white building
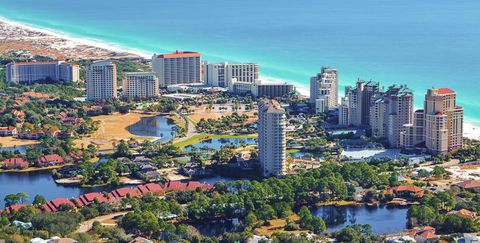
(101,80)
(325,85)
(140,85)
(31,72)
(271,138)
(177,68)
(224,74)
(343,112)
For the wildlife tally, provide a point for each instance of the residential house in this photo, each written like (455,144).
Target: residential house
(50,160)
(8,131)
(15,163)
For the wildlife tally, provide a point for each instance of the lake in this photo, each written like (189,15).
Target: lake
(42,183)
(158,126)
(217,143)
(384,220)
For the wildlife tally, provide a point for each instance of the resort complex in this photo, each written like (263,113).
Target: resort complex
(177,149)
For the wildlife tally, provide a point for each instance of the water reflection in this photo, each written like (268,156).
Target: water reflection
(217,143)
(384,220)
(158,126)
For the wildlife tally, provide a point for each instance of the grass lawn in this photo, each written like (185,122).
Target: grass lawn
(201,137)
(277,225)
(291,151)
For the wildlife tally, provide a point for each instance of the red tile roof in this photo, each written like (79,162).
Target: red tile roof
(178,54)
(15,207)
(445,91)
(15,163)
(470,184)
(89,198)
(53,205)
(405,188)
(123,192)
(51,158)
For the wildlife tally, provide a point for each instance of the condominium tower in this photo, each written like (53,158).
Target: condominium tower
(443,121)
(324,87)
(31,72)
(271,138)
(225,74)
(359,100)
(140,85)
(177,68)
(101,80)
(389,112)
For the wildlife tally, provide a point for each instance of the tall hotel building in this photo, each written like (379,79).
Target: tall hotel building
(140,85)
(101,80)
(225,74)
(443,121)
(31,72)
(324,90)
(389,112)
(271,138)
(177,68)
(359,100)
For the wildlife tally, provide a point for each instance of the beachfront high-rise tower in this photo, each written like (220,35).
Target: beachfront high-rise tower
(177,68)
(32,72)
(271,138)
(101,80)
(225,74)
(443,121)
(324,90)
(140,85)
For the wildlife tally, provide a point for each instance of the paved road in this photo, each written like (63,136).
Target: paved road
(86,226)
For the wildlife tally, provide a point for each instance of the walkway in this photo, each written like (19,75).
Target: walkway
(86,226)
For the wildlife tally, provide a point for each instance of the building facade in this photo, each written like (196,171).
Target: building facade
(101,81)
(413,135)
(443,121)
(325,86)
(271,90)
(360,99)
(32,72)
(177,68)
(140,85)
(399,111)
(225,74)
(271,138)
(343,112)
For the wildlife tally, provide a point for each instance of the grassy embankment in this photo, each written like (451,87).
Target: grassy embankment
(202,137)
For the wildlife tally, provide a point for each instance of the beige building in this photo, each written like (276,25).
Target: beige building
(140,85)
(177,68)
(443,121)
(101,80)
(325,86)
(413,135)
(32,72)
(360,99)
(225,74)
(272,138)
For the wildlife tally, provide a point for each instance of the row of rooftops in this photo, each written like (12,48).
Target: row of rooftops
(43,63)
(118,194)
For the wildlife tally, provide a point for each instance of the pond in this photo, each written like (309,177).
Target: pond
(21,148)
(384,220)
(217,143)
(159,126)
(42,183)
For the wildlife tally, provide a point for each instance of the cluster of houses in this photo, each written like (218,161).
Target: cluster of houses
(117,195)
(43,161)
(26,131)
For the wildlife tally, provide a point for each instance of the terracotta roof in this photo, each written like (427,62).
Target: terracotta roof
(15,207)
(429,235)
(53,205)
(15,163)
(89,198)
(405,188)
(470,184)
(51,158)
(445,91)
(7,129)
(179,54)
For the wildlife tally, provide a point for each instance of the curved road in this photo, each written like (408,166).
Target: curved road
(86,226)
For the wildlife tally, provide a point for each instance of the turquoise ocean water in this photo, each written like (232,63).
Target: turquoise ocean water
(428,43)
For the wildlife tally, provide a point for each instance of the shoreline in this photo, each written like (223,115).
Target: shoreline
(471,128)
